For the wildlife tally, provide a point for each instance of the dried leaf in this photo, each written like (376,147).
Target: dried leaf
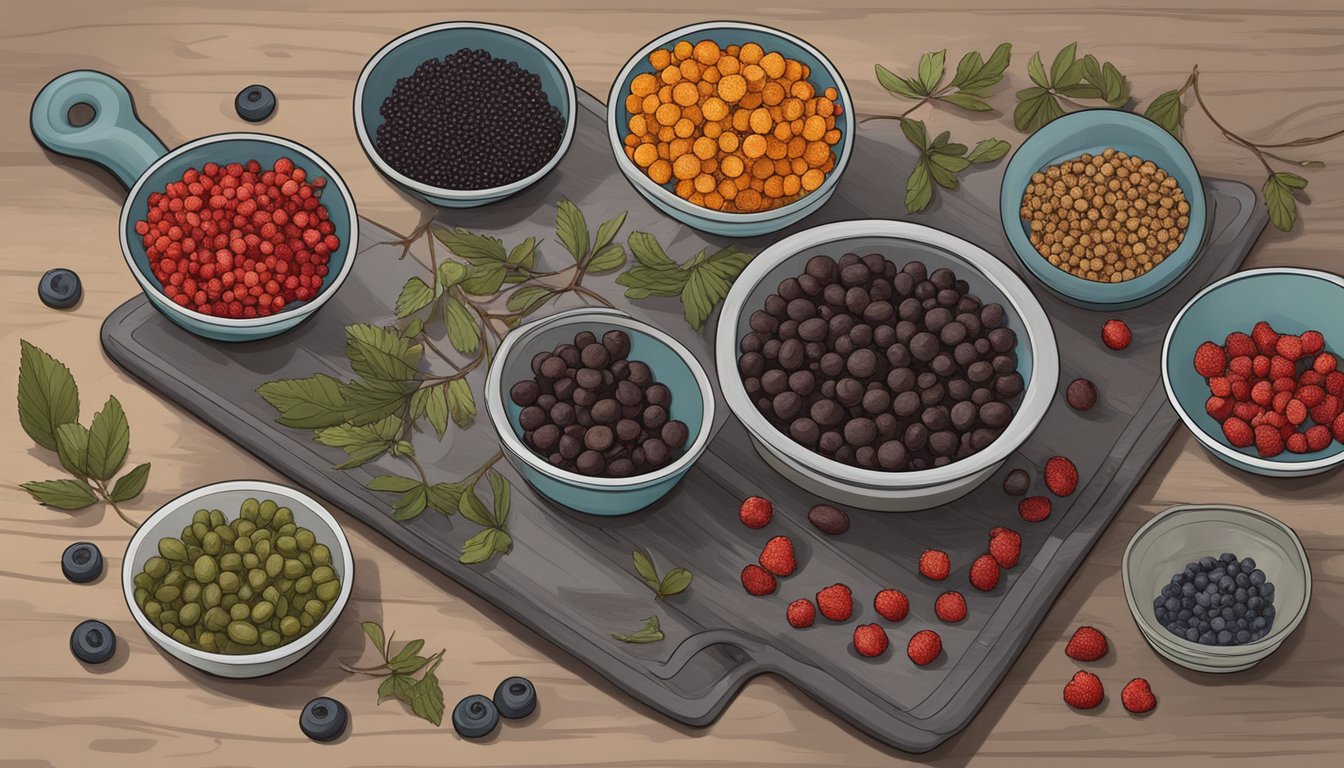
(676,581)
(650,632)
(644,567)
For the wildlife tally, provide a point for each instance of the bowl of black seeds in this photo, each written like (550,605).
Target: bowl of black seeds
(464,114)
(1216,588)
(599,412)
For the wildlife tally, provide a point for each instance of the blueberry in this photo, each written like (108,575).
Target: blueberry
(1228,613)
(1255,603)
(1175,628)
(1187,602)
(1268,612)
(59,289)
(323,719)
(1188,589)
(1217,624)
(1239,610)
(475,716)
(1201,581)
(1267,590)
(1212,589)
(1161,613)
(1173,604)
(1216,574)
(1228,557)
(1227,584)
(1240,595)
(1203,626)
(1208,563)
(82,562)
(1233,568)
(1258,623)
(1159,602)
(1202,600)
(254,103)
(1190,570)
(1208,638)
(1243,637)
(1258,635)
(93,642)
(1257,577)
(1247,564)
(1198,610)
(1183,615)
(1243,580)
(1170,590)
(1243,623)
(1192,634)
(1224,638)
(1226,601)
(515,697)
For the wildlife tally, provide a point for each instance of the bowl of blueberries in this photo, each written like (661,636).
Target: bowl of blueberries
(598,411)
(1216,588)
(883,364)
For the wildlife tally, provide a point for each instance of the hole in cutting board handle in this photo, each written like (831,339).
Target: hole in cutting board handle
(81,114)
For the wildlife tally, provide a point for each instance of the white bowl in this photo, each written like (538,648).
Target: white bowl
(1186,533)
(989,278)
(171,518)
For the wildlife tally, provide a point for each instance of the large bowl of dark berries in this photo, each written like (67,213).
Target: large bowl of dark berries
(1216,588)
(465,113)
(884,364)
(598,411)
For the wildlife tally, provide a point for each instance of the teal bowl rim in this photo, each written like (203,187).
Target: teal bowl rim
(1214,443)
(646,186)
(490,193)
(1092,293)
(285,317)
(495,409)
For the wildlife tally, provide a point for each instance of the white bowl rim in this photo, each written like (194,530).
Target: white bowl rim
(284,651)
(285,316)
(1195,650)
(644,184)
(494,400)
(1226,452)
(1040,389)
(504,190)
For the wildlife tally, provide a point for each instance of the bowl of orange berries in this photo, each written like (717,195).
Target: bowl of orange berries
(732,128)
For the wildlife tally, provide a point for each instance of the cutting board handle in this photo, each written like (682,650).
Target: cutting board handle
(114,138)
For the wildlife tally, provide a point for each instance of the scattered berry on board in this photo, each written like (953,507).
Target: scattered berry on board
(1084,691)
(93,642)
(59,288)
(801,613)
(1081,394)
(836,602)
(515,697)
(828,519)
(758,581)
(1061,476)
(1137,696)
(254,103)
(82,562)
(935,564)
(924,646)
(1017,483)
(1087,644)
(1005,546)
(323,719)
(891,604)
(778,557)
(475,717)
(950,607)
(756,512)
(1116,334)
(985,573)
(870,640)
(1034,509)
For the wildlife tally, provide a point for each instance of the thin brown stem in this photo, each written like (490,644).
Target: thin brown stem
(378,671)
(582,291)
(107,497)
(1234,138)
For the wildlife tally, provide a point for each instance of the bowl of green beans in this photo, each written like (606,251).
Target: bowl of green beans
(239,579)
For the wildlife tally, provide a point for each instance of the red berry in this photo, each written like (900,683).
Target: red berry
(1312,342)
(1262,393)
(1337,428)
(1115,334)
(891,604)
(1210,360)
(1311,377)
(1268,441)
(1061,476)
(1260,365)
(1218,408)
(870,640)
(950,607)
(925,646)
(1318,437)
(1281,367)
(801,613)
(777,557)
(1334,383)
(1005,546)
(1289,346)
(984,573)
(1239,344)
(1241,365)
(1247,411)
(1241,391)
(1221,386)
(756,512)
(1324,363)
(935,564)
(1326,411)
(1084,691)
(836,602)
(1034,509)
(1087,644)
(757,581)
(1295,412)
(1137,696)
(1264,337)
(1296,443)
(1310,395)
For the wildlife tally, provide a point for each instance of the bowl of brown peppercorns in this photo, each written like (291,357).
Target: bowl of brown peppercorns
(598,411)
(884,364)
(1105,207)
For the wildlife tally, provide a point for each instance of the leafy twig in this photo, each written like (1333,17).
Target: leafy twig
(673,582)
(424,695)
(700,283)
(1069,80)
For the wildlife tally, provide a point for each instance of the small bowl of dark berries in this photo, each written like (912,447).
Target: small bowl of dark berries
(464,114)
(598,411)
(1216,588)
(1251,364)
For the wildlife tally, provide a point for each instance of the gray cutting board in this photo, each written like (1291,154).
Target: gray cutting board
(570,577)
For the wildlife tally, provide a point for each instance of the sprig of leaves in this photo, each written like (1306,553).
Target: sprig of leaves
(700,283)
(649,632)
(940,161)
(93,455)
(398,673)
(495,537)
(673,582)
(1070,79)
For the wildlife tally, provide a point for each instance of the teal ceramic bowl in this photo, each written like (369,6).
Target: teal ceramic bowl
(116,140)
(400,57)
(823,75)
(1291,300)
(1092,131)
(672,364)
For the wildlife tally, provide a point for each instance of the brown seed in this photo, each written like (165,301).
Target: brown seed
(829,520)
(1017,483)
(1081,394)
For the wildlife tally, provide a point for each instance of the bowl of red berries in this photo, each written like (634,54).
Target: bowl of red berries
(1251,365)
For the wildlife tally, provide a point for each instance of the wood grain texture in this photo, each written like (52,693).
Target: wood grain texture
(1272,73)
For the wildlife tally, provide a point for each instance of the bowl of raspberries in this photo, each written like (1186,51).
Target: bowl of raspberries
(1251,365)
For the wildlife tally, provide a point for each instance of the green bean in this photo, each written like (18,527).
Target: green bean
(242,632)
(172,549)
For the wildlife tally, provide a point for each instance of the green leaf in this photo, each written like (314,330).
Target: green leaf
(1064,61)
(951,163)
(415,296)
(436,409)
(311,403)
(472,508)
(1114,87)
(572,229)
(109,439)
(361,443)
(976,77)
(647,251)
(919,187)
(375,634)
(1168,111)
(48,396)
(931,70)
(445,497)
(524,254)
(1081,91)
(914,131)
(644,567)
(461,403)
(940,141)
(61,494)
(1072,76)
(1278,192)
(897,84)
(1291,180)
(427,699)
(480,547)
(407,666)
(388,688)
(392,483)
(408,650)
(1037,71)
(402,687)
(411,504)
(988,151)
(367,402)
(941,175)
(607,231)
(484,279)
(697,299)
(475,248)
(381,353)
(464,331)
(72,448)
(1034,113)
(608,258)
(500,491)
(966,101)
(642,282)
(450,273)
(527,299)
(413,328)
(130,485)
(503,542)
(650,632)
(676,580)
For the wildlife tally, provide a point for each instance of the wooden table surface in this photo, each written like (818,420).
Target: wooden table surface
(1271,71)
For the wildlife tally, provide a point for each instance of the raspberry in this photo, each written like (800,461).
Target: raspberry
(984,573)
(1210,360)
(1247,411)
(1264,337)
(1318,437)
(1061,476)
(757,581)
(870,640)
(1221,386)
(1281,400)
(1311,377)
(1285,384)
(950,607)
(1240,365)
(777,557)
(1324,363)
(1268,441)
(1087,644)
(1238,432)
(1241,391)
(935,564)
(1137,695)
(1084,691)
(1290,347)
(1334,383)
(1280,367)
(1115,334)
(1337,428)
(891,604)
(836,602)
(1296,443)
(756,512)
(1310,395)
(801,613)
(1326,411)
(1262,393)
(1312,342)
(1239,344)
(1005,546)
(1295,412)
(1260,365)
(925,646)
(1034,509)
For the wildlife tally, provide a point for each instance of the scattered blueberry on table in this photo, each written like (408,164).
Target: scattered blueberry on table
(60,288)
(254,103)
(93,642)
(323,719)
(82,562)
(516,698)
(475,717)
(1217,601)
